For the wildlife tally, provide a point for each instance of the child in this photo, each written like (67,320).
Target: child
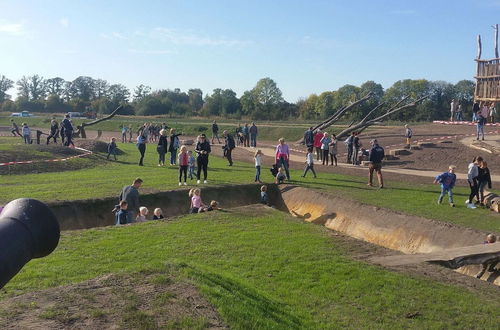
(213,206)
(122,214)
(274,170)
(490,239)
(333,150)
(158,214)
(264,198)
(258,164)
(141,217)
(112,148)
(26,134)
(310,162)
(483,180)
(196,202)
(280,177)
(191,162)
(447,181)
(183,160)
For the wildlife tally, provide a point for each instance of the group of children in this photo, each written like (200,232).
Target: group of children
(197,205)
(478,177)
(121,214)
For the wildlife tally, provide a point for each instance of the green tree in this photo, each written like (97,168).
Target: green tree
(195,99)
(55,86)
(141,91)
(5,85)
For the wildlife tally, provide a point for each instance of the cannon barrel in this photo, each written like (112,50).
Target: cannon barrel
(28,229)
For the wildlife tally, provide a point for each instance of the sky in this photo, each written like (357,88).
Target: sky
(304,46)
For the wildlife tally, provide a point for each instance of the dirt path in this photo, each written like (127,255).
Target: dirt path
(294,157)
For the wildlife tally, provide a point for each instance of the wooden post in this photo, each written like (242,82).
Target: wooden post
(496,40)
(478,46)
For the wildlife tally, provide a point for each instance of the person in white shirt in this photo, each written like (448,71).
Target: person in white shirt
(309,162)
(258,164)
(26,134)
(453,107)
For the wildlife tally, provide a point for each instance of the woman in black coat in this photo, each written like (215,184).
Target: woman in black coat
(162,147)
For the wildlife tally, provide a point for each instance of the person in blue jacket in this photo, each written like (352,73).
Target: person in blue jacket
(447,181)
(376,155)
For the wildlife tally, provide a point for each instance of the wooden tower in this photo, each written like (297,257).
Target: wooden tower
(487,74)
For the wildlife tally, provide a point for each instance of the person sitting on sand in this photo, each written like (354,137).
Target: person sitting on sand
(143,212)
(264,197)
(490,239)
(280,177)
(158,214)
(196,202)
(212,207)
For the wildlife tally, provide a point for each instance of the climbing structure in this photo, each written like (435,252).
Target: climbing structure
(487,74)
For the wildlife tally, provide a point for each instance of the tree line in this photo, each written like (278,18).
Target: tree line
(264,101)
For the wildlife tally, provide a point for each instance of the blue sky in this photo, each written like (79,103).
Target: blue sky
(305,46)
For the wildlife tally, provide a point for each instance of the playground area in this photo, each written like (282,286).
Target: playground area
(326,244)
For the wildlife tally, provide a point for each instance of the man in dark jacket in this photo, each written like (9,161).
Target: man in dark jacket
(203,150)
(253,135)
(376,156)
(309,138)
(54,131)
(130,194)
(228,147)
(215,132)
(68,130)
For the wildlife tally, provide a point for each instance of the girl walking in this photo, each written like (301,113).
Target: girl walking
(183,164)
(325,143)
(258,164)
(333,150)
(309,163)
(472,176)
(141,145)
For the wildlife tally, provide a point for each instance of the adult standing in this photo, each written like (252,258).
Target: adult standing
(228,147)
(141,145)
(325,145)
(215,132)
(253,135)
(376,156)
(317,144)
(130,133)
(481,120)
(14,129)
(493,113)
(174,145)
(458,115)
(68,130)
(349,143)
(283,156)
(472,179)
(333,149)
(130,194)
(356,146)
(203,150)
(124,133)
(309,138)
(162,147)
(408,135)
(246,135)
(54,131)
(453,108)
(239,135)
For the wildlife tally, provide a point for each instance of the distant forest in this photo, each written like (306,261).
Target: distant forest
(264,101)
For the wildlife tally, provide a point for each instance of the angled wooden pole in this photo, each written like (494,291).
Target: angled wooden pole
(479,47)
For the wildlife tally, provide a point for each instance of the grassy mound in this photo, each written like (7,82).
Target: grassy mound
(262,269)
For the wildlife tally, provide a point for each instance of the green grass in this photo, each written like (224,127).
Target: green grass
(106,178)
(261,271)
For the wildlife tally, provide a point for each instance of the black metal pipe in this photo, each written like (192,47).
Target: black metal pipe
(28,229)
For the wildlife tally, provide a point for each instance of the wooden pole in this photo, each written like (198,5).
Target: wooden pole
(496,40)
(479,47)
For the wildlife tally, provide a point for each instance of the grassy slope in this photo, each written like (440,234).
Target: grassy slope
(417,199)
(262,271)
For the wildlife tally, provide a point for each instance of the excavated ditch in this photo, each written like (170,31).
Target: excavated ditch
(402,232)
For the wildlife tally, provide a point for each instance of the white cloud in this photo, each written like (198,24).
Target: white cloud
(152,52)
(177,37)
(14,29)
(64,22)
